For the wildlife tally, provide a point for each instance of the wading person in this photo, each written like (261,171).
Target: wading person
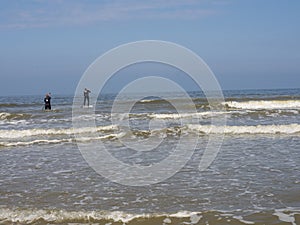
(47,101)
(86,94)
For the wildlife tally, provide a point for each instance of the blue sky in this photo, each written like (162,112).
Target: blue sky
(248,44)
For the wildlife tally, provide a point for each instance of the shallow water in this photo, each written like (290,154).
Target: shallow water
(254,179)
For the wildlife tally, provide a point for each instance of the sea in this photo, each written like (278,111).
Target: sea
(253,179)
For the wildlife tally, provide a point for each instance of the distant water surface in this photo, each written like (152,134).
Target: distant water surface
(255,178)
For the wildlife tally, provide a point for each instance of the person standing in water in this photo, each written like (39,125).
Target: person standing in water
(47,101)
(86,94)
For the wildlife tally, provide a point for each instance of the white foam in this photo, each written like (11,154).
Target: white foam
(195,218)
(285,217)
(187,115)
(29,216)
(57,141)
(241,219)
(167,220)
(41,132)
(147,100)
(265,104)
(259,129)
(182,214)
(39,141)
(6,115)
(12,137)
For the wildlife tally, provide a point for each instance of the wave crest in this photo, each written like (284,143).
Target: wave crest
(41,216)
(239,130)
(12,138)
(13,116)
(264,104)
(10,134)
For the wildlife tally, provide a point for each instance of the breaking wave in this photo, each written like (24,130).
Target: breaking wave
(264,104)
(11,138)
(239,130)
(13,116)
(42,132)
(40,216)
(206,129)
(58,141)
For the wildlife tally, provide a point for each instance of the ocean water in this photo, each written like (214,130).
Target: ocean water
(254,179)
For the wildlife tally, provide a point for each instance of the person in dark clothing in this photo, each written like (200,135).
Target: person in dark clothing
(47,100)
(86,94)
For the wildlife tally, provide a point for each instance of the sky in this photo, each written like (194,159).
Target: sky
(48,45)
